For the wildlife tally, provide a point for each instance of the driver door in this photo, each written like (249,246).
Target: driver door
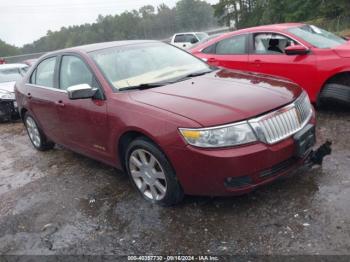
(84,121)
(268,57)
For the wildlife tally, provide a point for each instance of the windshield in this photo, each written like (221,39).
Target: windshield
(317,37)
(11,74)
(140,64)
(202,36)
(207,39)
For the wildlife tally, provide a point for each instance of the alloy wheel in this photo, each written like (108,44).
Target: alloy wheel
(33,131)
(148,174)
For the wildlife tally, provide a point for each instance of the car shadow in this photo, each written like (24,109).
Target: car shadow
(333,107)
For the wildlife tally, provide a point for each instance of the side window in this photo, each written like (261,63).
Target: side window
(45,72)
(233,45)
(209,50)
(74,72)
(179,39)
(267,43)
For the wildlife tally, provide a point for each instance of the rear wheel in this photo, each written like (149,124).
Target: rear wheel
(37,137)
(151,173)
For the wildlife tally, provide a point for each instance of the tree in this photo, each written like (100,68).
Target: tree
(194,15)
(8,50)
(247,13)
(146,23)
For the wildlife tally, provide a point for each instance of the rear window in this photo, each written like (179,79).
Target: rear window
(184,38)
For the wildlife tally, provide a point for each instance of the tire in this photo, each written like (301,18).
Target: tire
(151,173)
(36,135)
(334,93)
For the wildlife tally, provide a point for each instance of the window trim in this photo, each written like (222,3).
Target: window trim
(47,88)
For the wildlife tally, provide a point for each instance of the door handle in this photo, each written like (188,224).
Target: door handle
(29,95)
(59,103)
(257,63)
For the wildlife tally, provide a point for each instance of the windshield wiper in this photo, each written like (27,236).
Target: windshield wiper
(200,73)
(158,84)
(144,86)
(195,74)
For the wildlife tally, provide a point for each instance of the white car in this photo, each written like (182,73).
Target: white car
(187,40)
(9,74)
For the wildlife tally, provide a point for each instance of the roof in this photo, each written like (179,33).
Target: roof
(183,33)
(104,45)
(271,27)
(10,66)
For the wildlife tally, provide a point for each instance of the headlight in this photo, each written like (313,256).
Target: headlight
(221,136)
(4,95)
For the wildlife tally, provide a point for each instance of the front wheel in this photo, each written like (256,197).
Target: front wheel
(335,94)
(37,137)
(152,174)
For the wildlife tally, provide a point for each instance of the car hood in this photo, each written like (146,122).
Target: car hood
(8,86)
(221,97)
(343,50)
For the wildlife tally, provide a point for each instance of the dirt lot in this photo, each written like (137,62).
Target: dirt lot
(59,202)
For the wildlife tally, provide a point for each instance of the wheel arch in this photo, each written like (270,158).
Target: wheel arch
(340,77)
(22,112)
(126,138)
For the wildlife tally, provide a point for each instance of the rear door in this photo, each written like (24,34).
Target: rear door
(84,121)
(230,53)
(268,57)
(43,97)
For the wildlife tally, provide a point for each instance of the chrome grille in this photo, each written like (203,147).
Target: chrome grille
(284,122)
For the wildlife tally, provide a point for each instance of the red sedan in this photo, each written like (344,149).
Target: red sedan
(317,60)
(174,124)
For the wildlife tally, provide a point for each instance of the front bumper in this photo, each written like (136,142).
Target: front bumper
(8,110)
(235,171)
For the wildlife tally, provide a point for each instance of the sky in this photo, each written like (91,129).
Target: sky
(23,21)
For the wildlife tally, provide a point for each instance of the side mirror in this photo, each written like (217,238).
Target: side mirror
(296,50)
(82,91)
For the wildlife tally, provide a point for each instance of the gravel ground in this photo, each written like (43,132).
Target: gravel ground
(59,202)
